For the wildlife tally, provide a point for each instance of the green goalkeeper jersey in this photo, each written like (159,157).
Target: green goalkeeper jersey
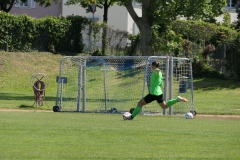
(156,83)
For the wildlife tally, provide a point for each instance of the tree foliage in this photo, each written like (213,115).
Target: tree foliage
(103,4)
(23,33)
(158,14)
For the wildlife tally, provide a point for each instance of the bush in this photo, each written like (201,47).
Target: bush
(16,33)
(198,31)
(203,70)
(51,34)
(74,35)
(132,49)
(23,33)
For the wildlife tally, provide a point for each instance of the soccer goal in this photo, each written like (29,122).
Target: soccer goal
(103,83)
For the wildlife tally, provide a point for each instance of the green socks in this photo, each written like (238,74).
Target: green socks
(171,102)
(136,111)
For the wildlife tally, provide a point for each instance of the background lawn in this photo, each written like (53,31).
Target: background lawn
(211,96)
(30,134)
(48,135)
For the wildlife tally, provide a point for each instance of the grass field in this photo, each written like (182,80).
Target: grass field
(34,135)
(16,70)
(38,133)
(211,96)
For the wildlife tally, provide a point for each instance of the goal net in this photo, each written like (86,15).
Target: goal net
(102,83)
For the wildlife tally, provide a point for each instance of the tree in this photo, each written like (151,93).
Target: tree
(6,5)
(238,9)
(105,4)
(238,12)
(154,13)
(163,12)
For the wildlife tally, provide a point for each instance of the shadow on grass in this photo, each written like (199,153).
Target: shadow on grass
(14,96)
(45,106)
(215,84)
(27,106)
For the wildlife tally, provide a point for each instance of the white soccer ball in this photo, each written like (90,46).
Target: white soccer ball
(126,114)
(189,115)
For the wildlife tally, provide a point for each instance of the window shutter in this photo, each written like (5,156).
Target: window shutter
(33,4)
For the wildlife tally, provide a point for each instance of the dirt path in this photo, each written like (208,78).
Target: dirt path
(220,117)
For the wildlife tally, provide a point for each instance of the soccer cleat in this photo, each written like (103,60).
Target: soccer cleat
(181,99)
(131,110)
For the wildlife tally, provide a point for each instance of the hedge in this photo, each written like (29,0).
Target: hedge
(23,33)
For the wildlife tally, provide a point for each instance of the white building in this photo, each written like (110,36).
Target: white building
(230,8)
(119,18)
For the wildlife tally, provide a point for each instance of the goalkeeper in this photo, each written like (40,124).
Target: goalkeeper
(155,93)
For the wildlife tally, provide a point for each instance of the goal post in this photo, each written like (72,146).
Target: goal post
(101,83)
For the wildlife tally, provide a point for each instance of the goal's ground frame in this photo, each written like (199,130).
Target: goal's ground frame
(178,80)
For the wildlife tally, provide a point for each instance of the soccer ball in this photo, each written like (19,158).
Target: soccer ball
(126,114)
(189,115)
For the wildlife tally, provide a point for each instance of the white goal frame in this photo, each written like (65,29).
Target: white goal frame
(103,83)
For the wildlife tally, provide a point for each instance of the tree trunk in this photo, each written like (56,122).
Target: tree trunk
(145,40)
(6,7)
(104,34)
(144,24)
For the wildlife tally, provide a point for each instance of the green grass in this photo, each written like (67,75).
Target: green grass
(49,135)
(16,70)
(214,96)
(35,135)
(211,96)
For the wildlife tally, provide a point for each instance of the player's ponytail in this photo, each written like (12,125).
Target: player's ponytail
(156,64)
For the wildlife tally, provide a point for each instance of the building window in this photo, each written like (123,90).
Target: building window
(28,4)
(137,3)
(231,3)
(22,4)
